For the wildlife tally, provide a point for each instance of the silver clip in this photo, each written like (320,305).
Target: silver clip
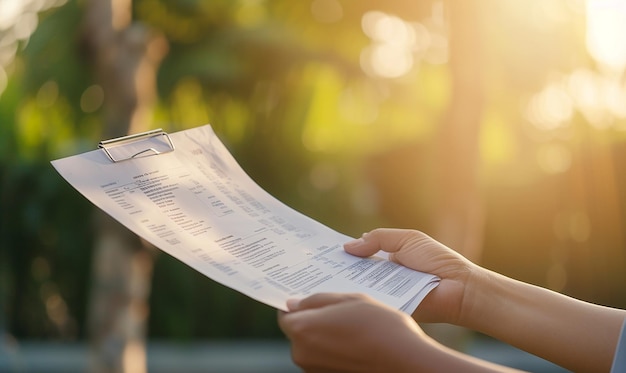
(108,145)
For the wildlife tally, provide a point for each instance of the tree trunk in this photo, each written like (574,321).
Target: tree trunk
(125,58)
(458,207)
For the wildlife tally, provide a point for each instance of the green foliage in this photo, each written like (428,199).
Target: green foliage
(45,235)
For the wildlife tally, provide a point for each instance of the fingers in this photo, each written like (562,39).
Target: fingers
(386,239)
(410,248)
(297,323)
(320,300)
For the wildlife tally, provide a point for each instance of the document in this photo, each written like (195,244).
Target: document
(186,194)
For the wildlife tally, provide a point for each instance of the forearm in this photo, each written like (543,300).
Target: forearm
(577,335)
(438,358)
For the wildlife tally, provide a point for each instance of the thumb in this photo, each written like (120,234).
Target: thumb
(390,240)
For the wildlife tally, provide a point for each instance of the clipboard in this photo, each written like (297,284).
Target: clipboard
(153,142)
(198,205)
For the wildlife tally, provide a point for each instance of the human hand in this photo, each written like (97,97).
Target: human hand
(418,251)
(350,332)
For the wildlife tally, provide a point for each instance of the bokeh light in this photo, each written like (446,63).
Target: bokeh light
(48,94)
(18,21)
(606,27)
(398,46)
(551,108)
(92,98)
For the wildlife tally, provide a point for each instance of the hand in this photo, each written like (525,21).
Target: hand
(418,251)
(350,332)
(354,333)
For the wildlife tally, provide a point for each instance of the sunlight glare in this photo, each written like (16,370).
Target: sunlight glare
(606,27)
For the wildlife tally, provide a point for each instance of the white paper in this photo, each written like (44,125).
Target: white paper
(198,205)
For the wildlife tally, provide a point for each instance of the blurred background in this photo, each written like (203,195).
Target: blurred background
(496,126)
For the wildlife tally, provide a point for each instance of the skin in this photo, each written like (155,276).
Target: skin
(354,333)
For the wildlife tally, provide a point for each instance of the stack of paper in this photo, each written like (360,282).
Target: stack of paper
(198,205)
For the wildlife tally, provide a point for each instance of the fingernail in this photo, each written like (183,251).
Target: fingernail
(354,243)
(292,304)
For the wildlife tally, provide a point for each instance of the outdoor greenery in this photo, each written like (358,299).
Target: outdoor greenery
(333,107)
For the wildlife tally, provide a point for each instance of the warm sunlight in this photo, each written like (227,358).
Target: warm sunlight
(606,27)
(497,127)
(599,96)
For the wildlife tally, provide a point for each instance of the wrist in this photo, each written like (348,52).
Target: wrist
(435,357)
(482,296)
